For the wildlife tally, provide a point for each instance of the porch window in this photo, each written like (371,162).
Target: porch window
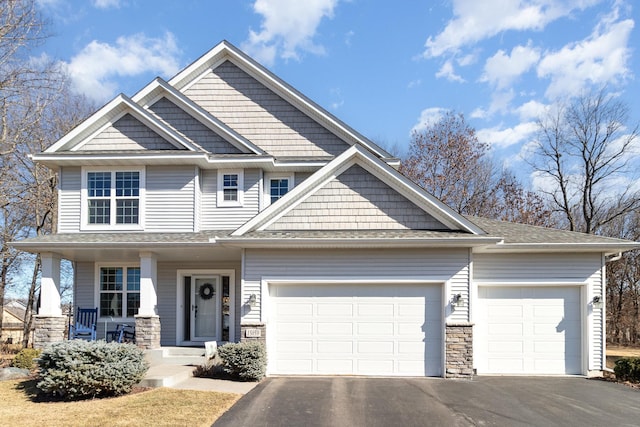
(119,291)
(230,185)
(112,198)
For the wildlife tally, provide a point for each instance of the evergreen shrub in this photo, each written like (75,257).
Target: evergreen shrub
(25,359)
(77,369)
(246,360)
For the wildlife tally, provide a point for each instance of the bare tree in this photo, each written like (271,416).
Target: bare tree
(449,161)
(585,151)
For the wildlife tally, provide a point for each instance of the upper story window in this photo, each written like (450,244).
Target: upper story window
(230,188)
(277,186)
(112,199)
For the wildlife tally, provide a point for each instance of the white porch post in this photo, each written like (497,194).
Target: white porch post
(49,323)
(147,320)
(148,285)
(50,285)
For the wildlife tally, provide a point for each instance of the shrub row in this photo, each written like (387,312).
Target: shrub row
(628,369)
(25,359)
(79,369)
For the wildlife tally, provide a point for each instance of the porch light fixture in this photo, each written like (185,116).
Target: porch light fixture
(457,300)
(252,300)
(596,302)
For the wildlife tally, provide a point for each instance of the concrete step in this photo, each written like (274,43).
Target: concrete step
(166,375)
(175,356)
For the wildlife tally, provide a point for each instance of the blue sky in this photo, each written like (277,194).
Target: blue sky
(382,68)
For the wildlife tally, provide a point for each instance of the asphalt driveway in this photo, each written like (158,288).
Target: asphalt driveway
(484,401)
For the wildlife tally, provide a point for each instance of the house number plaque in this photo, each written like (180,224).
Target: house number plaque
(252,333)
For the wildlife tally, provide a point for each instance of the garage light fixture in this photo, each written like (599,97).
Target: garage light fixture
(252,300)
(596,302)
(457,300)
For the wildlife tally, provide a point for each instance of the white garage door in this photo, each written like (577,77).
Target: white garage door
(528,330)
(355,329)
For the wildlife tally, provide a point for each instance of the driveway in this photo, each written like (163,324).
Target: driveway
(484,401)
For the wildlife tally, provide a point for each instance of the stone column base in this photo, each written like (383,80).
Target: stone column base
(148,332)
(459,350)
(257,332)
(48,329)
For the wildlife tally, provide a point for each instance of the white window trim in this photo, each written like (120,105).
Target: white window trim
(97,289)
(267,185)
(84,203)
(220,192)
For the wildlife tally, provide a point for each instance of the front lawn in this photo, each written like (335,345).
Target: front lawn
(156,407)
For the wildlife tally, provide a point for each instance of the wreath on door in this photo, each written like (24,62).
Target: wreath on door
(206,291)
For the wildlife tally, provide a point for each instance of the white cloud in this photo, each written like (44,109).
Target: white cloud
(531,110)
(502,138)
(95,69)
(475,20)
(503,69)
(106,4)
(288,27)
(601,58)
(428,117)
(414,83)
(449,73)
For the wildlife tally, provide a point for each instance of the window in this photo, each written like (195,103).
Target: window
(119,291)
(276,187)
(230,190)
(112,198)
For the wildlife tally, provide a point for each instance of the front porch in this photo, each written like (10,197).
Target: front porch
(178,296)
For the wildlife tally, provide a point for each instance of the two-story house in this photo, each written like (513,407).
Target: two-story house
(225,205)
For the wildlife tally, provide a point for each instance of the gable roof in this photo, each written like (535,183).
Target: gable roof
(368,161)
(109,114)
(160,88)
(225,51)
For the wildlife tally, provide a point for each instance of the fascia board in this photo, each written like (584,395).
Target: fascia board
(356,243)
(145,97)
(607,248)
(226,50)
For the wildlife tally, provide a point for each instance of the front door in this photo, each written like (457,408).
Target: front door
(205,309)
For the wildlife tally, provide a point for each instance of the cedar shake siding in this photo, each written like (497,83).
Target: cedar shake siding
(127,133)
(261,116)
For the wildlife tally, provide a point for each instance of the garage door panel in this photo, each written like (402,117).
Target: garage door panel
(357,329)
(334,347)
(537,333)
(294,309)
(334,309)
(334,329)
(295,347)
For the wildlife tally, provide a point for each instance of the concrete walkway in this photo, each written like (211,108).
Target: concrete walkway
(211,384)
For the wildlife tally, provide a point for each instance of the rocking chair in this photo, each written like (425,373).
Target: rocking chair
(84,327)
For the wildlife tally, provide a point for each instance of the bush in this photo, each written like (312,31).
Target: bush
(246,361)
(79,369)
(25,359)
(628,369)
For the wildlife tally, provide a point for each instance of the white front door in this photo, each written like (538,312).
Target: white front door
(205,309)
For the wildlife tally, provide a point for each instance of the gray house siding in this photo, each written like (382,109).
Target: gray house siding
(69,200)
(575,268)
(127,133)
(261,116)
(356,200)
(228,217)
(446,265)
(170,198)
(192,128)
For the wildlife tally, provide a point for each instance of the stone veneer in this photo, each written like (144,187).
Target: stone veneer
(48,329)
(148,332)
(259,327)
(459,350)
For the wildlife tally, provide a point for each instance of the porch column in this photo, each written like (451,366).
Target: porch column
(147,320)
(49,322)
